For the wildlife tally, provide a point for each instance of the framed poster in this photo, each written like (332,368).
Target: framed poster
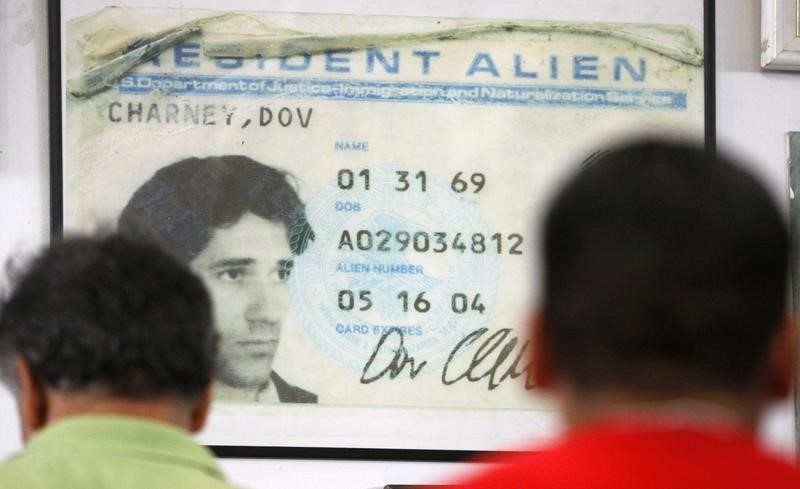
(361,191)
(780,31)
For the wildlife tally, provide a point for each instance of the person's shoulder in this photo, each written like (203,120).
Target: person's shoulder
(770,470)
(733,459)
(24,470)
(13,467)
(75,467)
(630,459)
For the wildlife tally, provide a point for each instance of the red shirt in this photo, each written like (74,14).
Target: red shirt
(652,454)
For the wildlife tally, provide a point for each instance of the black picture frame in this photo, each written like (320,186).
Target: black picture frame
(55,125)
(315,453)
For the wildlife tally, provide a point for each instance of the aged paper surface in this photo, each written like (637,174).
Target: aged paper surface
(362,195)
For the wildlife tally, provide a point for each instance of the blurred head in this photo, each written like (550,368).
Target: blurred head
(665,274)
(107,321)
(238,224)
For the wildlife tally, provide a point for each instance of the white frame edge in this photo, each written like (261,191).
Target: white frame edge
(780,44)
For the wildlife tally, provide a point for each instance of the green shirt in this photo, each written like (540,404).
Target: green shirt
(112,452)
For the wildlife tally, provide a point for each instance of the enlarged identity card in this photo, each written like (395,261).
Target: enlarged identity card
(361,195)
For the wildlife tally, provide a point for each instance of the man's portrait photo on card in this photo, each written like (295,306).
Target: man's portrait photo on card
(239,224)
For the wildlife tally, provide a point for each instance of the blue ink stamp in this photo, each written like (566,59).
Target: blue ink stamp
(416,261)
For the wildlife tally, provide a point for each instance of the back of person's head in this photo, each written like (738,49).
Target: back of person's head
(111,317)
(665,271)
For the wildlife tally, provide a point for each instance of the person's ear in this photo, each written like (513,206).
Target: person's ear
(544,370)
(32,400)
(201,410)
(781,360)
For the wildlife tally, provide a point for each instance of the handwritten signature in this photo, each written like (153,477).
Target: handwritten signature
(497,359)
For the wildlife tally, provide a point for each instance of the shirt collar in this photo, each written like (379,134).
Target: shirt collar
(136,437)
(268,394)
(672,415)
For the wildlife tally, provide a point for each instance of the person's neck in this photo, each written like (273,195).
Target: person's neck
(703,407)
(237,394)
(176,412)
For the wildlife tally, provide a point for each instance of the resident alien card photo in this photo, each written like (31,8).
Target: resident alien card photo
(361,194)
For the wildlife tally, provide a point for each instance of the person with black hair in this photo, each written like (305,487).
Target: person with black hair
(109,347)
(662,331)
(239,225)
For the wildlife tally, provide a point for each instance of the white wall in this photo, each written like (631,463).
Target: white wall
(24,178)
(755,110)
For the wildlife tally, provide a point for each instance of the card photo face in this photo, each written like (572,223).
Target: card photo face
(244,268)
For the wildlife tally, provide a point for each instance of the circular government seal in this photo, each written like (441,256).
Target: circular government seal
(390,259)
